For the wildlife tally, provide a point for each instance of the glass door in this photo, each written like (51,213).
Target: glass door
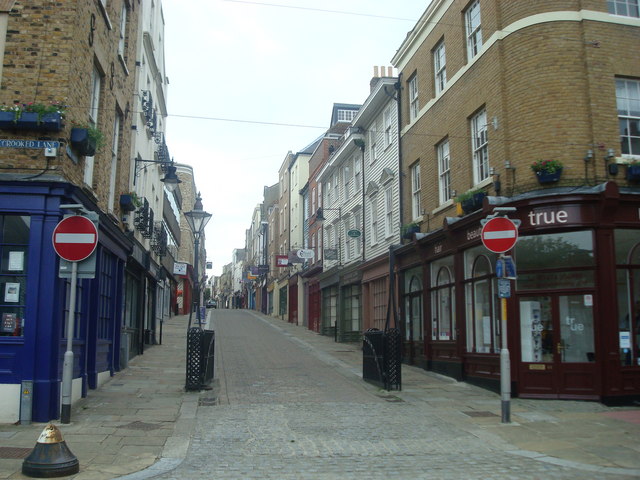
(557,349)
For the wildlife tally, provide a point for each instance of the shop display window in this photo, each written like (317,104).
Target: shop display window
(443,299)
(555,261)
(482,302)
(628,290)
(14,242)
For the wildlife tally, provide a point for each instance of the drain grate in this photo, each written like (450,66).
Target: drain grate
(137,425)
(14,452)
(479,413)
(207,401)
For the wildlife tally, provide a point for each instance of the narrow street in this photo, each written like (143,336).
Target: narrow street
(281,408)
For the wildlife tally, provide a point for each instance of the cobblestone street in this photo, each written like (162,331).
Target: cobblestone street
(283,409)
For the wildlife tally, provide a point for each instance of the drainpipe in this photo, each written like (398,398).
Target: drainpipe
(398,98)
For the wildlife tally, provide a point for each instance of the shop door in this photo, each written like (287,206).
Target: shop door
(557,353)
(412,327)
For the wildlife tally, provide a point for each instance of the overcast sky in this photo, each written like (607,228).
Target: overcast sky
(251,80)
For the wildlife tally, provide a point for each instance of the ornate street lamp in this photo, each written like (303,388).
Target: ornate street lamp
(197,220)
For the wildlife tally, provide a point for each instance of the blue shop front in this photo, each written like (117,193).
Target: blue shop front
(34,301)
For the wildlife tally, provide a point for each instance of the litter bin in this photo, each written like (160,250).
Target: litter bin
(373,357)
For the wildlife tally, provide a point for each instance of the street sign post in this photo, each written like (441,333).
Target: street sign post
(74,239)
(499,234)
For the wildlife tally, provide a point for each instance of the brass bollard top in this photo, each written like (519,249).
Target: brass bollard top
(50,434)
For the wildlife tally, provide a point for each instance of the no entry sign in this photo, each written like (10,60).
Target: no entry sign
(75,238)
(499,234)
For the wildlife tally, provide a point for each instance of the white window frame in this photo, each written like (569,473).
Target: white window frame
(357,175)
(414,105)
(628,93)
(480,146)
(388,140)
(94,104)
(473,29)
(346,115)
(388,211)
(625,8)
(123,31)
(373,209)
(114,162)
(416,202)
(373,145)
(440,67)
(444,172)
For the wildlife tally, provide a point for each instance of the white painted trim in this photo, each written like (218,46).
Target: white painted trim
(10,401)
(103,377)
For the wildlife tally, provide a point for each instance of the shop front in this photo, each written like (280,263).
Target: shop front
(573,314)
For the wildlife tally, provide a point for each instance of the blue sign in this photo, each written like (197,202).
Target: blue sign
(17,143)
(504,288)
(506,268)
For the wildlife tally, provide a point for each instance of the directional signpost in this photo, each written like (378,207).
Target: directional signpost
(499,235)
(74,239)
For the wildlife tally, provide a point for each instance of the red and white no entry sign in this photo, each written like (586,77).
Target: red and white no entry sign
(75,238)
(499,234)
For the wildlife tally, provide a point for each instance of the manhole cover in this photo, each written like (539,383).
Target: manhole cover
(207,401)
(137,425)
(14,452)
(479,413)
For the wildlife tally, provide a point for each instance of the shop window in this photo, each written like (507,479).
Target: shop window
(413,304)
(379,295)
(329,308)
(106,288)
(443,300)
(560,260)
(482,304)
(282,310)
(628,290)
(15,248)
(351,308)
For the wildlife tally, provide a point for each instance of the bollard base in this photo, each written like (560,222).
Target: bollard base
(506,411)
(50,460)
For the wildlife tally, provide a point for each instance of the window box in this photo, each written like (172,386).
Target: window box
(82,142)
(7,119)
(633,172)
(127,202)
(51,122)
(28,121)
(409,230)
(548,177)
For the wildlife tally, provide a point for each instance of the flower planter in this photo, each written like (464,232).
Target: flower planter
(633,173)
(82,143)
(51,122)
(126,202)
(546,177)
(473,203)
(409,231)
(7,120)
(28,121)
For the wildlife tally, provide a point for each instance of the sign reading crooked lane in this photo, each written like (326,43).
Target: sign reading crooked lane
(75,238)
(499,234)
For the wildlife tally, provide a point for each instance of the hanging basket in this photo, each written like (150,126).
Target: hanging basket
(549,177)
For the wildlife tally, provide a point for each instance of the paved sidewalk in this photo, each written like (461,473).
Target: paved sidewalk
(139,424)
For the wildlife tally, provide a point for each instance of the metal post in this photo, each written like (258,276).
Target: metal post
(505,368)
(67,368)
(196,244)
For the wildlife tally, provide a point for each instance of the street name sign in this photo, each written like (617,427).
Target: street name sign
(75,238)
(499,234)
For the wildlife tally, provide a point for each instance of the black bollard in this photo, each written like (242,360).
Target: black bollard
(50,457)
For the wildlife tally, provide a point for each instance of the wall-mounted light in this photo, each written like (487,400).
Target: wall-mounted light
(170,180)
(589,156)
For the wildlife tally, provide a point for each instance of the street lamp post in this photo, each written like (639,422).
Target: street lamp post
(197,220)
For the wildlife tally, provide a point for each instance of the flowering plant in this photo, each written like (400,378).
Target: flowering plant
(546,166)
(40,108)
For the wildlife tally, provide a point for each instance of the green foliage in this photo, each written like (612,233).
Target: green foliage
(546,166)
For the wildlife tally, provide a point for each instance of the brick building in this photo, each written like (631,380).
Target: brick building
(489,88)
(74,58)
